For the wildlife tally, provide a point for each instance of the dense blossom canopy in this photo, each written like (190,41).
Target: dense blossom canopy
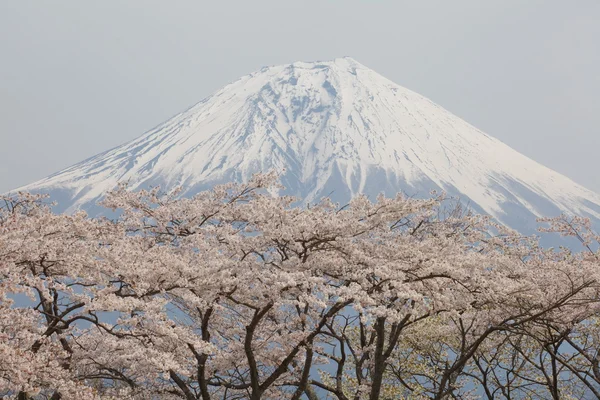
(238,293)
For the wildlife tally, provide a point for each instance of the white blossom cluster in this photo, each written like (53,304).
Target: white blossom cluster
(237,293)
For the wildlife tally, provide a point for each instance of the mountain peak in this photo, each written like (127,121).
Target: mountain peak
(336,127)
(345,62)
(336,66)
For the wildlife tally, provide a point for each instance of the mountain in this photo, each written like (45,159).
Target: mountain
(337,128)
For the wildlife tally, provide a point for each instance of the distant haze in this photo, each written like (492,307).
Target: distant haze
(77,78)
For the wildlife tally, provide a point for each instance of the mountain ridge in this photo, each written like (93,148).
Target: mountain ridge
(332,126)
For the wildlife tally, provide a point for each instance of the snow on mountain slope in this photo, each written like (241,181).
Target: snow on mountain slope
(337,128)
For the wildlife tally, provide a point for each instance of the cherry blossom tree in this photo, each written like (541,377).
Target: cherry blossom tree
(239,293)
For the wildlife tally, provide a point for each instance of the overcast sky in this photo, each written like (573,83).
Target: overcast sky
(79,77)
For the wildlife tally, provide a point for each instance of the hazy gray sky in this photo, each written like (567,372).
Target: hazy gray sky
(78,77)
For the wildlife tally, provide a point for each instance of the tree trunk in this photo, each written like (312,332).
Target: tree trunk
(378,360)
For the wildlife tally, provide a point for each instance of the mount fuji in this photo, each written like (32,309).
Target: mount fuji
(336,128)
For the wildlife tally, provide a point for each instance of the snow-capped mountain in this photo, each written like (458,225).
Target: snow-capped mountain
(337,128)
